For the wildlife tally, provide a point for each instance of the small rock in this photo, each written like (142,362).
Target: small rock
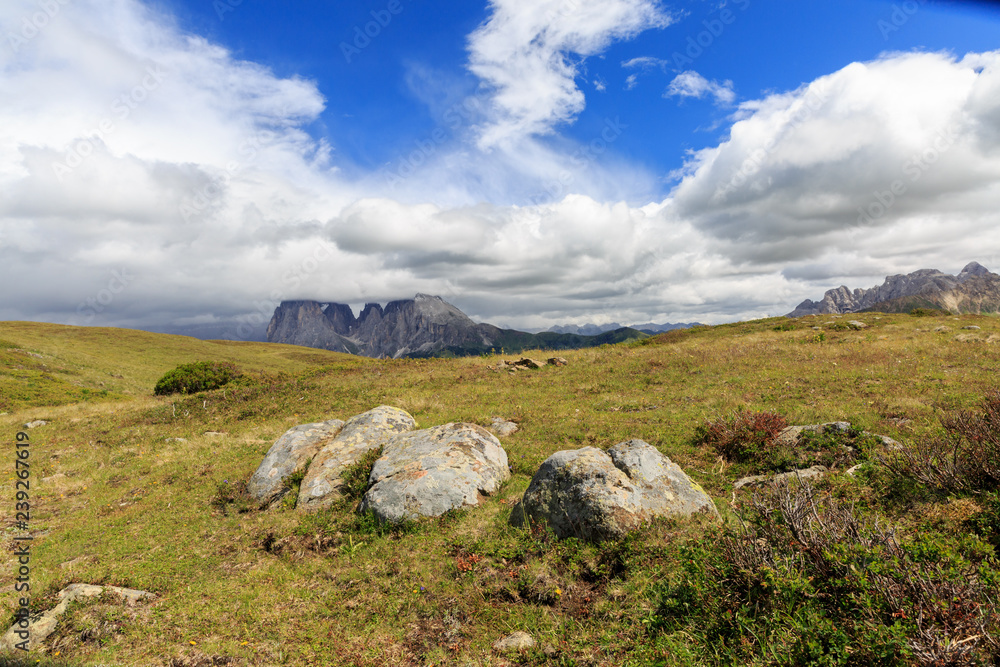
(941,329)
(972,327)
(853,470)
(35,424)
(502,427)
(214,433)
(557,361)
(176,439)
(967,338)
(753,481)
(856,324)
(44,624)
(529,363)
(517,641)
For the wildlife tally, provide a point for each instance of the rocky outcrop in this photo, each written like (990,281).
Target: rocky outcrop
(433,471)
(974,290)
(289,454)
(321,486)
(31,632)
(423,326)
(597,495)
(306,323)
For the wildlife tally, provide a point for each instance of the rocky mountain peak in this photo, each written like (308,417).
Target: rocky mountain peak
(920,289)
(972,270)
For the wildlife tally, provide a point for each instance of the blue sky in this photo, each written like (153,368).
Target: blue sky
(534,162)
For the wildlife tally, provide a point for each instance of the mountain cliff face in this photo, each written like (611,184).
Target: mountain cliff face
(423,326)
(974,290)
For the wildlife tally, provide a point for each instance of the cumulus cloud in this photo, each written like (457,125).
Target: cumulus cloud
(525,54)
(692,84)
(148,176)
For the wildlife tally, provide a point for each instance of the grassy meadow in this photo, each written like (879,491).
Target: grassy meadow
(136,490)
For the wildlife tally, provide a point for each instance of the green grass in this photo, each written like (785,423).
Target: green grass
(142,509)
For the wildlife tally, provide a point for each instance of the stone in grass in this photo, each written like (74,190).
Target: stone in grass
(43,624)
(361,434)
(503,427)
(38,423)
(597,495)
(288,455)
(517,641)
(807,474)
(429,472)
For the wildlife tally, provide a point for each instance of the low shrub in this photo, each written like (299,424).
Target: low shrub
(805,581)
(355,477)
(928,312)
(196,377)
(966,458)
(744,436)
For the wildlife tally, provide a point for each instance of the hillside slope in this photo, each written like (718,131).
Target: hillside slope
(143,492)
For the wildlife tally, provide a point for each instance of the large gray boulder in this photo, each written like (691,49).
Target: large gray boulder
(289,454)
(429,472)
(597,495)
(360,435)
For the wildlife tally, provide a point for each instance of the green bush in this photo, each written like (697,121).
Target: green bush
(806,581)
(928,312)
(196,377)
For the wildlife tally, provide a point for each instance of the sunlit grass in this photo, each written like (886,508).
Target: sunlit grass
(132,504)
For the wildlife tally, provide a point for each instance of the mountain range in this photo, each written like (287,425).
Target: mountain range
(974,290)
(424,326)
(596,329)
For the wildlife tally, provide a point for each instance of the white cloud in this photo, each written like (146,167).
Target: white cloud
(807,177)
(525,50)
(692,84)
(760,221)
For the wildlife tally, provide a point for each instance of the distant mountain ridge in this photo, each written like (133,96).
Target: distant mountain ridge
(974,290)
(424,326)
(596,329)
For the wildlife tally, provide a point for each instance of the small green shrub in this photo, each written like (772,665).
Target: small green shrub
(744,436)
(196,377)
(355,477)
(928,312)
